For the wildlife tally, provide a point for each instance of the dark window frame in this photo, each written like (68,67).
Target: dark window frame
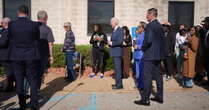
(90,32)
(4,4)
(193,9)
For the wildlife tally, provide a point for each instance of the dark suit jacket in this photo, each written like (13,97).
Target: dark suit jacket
(24,38)
(154,42)
(4,44)
(117,43)
(170,42)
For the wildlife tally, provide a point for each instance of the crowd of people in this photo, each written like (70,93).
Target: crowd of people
(159,49)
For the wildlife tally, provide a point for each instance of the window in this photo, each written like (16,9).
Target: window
(181,13)
(100,12)
(10,7)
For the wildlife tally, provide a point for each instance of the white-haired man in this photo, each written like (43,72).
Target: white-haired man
(115,44)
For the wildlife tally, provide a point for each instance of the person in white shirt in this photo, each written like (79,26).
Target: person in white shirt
(179,49)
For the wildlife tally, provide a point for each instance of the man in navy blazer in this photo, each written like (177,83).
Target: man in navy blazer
(154,52)
(116,52)
(24,52)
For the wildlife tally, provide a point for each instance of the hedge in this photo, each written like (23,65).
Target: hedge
(84,50)
(1,71)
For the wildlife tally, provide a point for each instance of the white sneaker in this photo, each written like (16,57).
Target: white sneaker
(101,75)
(91,75)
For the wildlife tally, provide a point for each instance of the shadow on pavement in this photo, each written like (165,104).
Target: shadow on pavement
(53,87)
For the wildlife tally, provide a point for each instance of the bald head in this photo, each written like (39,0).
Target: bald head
(114,22)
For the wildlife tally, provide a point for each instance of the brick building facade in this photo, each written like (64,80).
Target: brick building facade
(129,12)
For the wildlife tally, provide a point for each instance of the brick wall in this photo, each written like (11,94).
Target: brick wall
(129,12)
(60,11)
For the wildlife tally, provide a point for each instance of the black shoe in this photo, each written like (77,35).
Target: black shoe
(33,108)
(117,87)
(141,102)
(113,85)
(157,100)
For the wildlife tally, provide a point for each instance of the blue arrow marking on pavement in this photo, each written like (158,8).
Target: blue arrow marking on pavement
(92,105)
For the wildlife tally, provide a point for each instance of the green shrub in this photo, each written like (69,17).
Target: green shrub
(84,50)
(1,71)
(58,55)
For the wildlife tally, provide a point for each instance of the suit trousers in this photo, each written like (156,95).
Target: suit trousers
(26,69)
(97,60)
(118,70)
(152,71)
(42,67)
(168,64)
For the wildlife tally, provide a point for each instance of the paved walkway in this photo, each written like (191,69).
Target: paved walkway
(96,94)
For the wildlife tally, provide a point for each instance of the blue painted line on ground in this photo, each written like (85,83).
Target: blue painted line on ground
(61,97)
(207,93)
(92,105)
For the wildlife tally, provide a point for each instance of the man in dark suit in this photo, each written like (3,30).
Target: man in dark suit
(24,52)
(115,44)
(206,46)
(4,55)
(154,53)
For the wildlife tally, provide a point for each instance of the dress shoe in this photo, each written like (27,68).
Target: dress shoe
(117,87)
(141,102)
(157,100)
(113,85)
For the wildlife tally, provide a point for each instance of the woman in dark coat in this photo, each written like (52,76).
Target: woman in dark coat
(127,43)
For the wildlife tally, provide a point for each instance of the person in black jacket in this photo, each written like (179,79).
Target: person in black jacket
(98,41)
(24,52)
(206,46)
(4,55)
(170,35)
(127,43)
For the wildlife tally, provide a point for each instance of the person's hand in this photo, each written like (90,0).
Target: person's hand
(135,47)
(124,44)
(100,39)
(96,38)
(110,43)
(189,39)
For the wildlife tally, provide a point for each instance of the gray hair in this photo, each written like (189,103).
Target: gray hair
(6,20)
(115,20)
(42,14)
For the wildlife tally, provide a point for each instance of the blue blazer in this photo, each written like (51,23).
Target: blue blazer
(154,42)
(24,38)
(117,43)
(138,53)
